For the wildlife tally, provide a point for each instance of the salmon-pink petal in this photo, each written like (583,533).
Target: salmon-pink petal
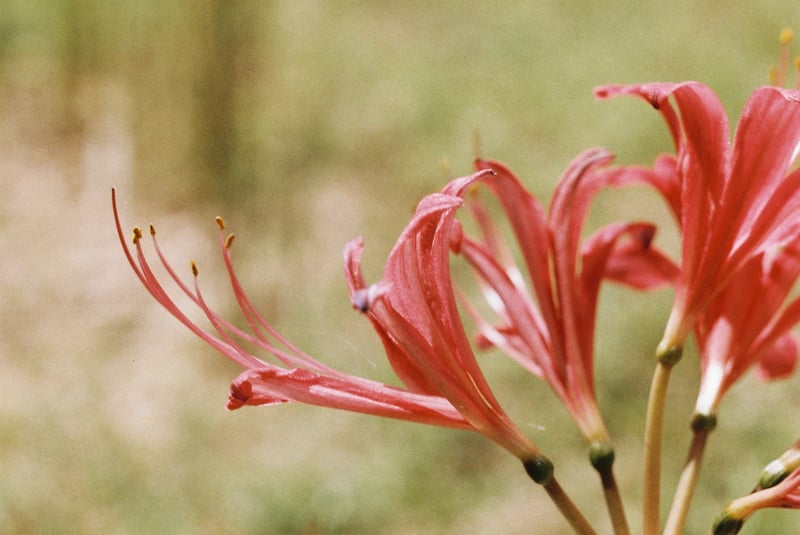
(362,297)
(780,360)
(552,335)
(571,200)
(352,265)
(656,94)
(736,200)
(764,145)
(784,322)
(419,309)
(423,336)
(418,319)
(774,221)
(525,328)
(632,262)
(755,301)
(529,225)
(749,323)
(568,209)
(265,386)
(701,129)
(663,177)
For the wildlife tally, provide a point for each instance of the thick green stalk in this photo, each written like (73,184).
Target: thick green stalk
(652,449)
(616,510)
(568,509)
(540,470)
(701,426)
(601,454)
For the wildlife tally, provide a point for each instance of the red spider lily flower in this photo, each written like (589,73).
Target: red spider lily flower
(301,378)
(749,324)
(733,200)
(552,334)
(413,310)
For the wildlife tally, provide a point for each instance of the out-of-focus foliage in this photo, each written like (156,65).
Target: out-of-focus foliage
(306,123)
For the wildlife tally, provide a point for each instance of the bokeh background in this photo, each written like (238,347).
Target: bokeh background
(307,123)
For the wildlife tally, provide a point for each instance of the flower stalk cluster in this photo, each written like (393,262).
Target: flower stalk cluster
(736,203)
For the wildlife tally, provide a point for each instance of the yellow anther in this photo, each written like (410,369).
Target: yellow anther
(229,241)
(137,235)
(786,36)
(220,223)
(195,271)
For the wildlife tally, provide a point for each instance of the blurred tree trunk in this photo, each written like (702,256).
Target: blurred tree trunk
(230,70)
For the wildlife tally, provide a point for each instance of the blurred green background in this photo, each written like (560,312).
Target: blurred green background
(305,124)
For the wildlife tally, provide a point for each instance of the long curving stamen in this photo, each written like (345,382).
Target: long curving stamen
(257,323)
(777,74)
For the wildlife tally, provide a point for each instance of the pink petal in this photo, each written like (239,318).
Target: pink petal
(780,360)
(632,262)
(764,145)
(529,225)
(271,385)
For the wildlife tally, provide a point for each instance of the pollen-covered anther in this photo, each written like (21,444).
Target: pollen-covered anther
(220,222)
(137,235)
(786,36)
(195,271)
(229,240)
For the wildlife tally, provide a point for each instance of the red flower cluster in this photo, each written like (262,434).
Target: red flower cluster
(738,208)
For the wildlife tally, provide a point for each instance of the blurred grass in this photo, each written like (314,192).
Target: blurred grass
(306,124)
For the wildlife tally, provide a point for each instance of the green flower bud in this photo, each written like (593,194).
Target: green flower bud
(540,469)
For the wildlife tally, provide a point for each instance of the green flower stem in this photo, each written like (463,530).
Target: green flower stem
(616,510)
(567,508)
(701,426)
(601,454)
(540,470)
(652,448)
